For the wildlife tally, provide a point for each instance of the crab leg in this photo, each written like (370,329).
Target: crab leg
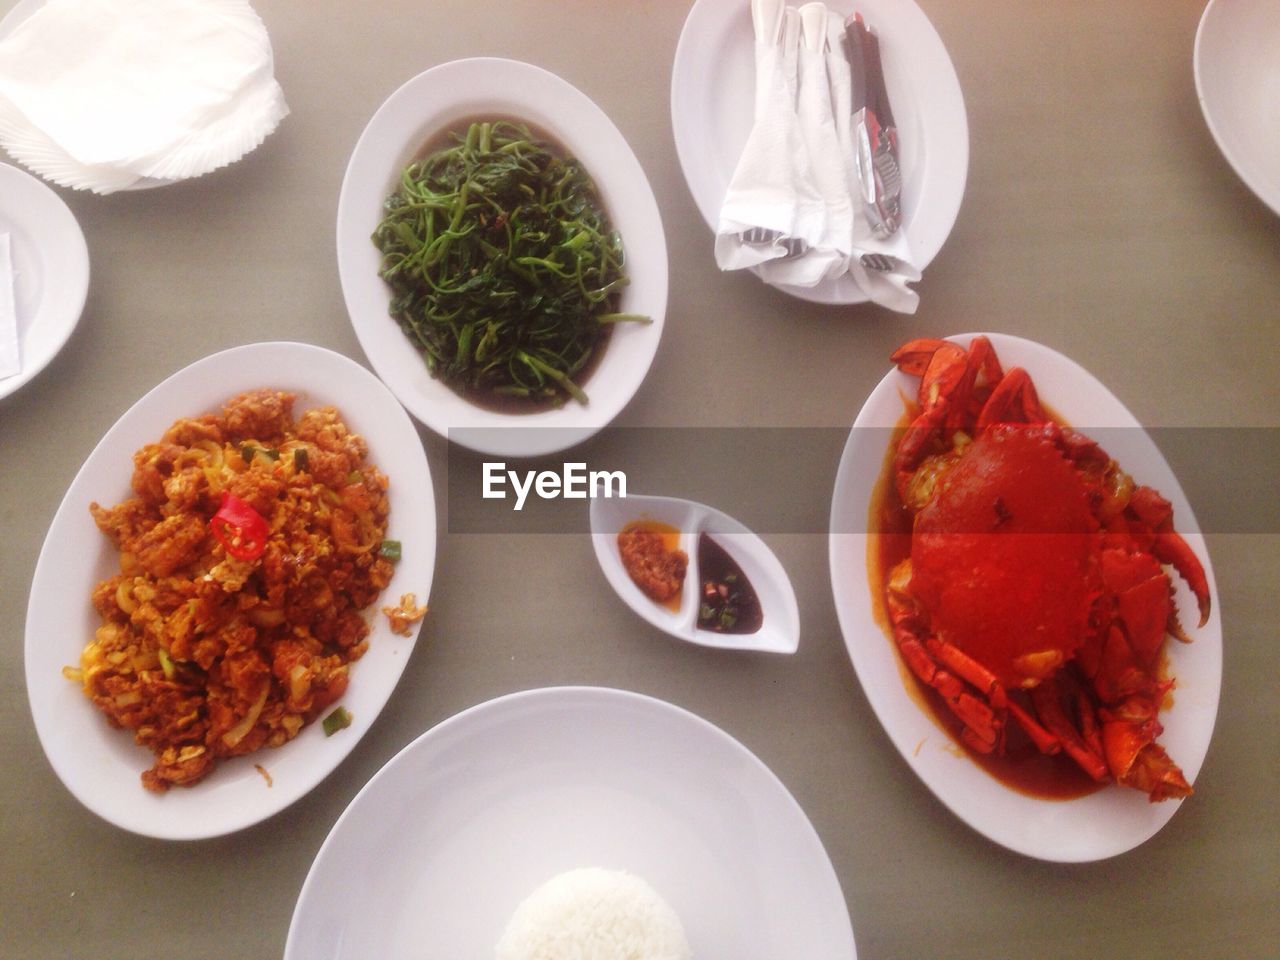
(1045,741)
(1046,698)
(983,725)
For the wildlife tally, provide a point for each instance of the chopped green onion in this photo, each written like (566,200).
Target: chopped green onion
(389,550)
(340,719)
(248,451)
(166,662)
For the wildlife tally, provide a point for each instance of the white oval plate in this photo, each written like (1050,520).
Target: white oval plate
(1237,71)
(101,766)
(1113,819)
(712,91)
(780,631)
(433,855)
(434,101)
(50,270)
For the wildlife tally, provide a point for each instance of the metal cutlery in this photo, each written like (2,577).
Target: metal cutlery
(877,134)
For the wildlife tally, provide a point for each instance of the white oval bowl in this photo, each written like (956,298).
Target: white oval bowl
(1102,824)
(1237,72)
(433,102)
(100,765)
(780,631)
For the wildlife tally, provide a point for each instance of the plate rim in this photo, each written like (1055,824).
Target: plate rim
(828,292)
(1267,192)
(42,690)
(586,695)
(62,304)
(1057,845)
(473,81)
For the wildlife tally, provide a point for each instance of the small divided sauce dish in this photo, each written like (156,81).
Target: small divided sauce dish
(779,630)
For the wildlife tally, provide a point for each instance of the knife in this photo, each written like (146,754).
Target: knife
(877,134)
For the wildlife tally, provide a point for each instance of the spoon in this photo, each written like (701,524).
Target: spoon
(779,630)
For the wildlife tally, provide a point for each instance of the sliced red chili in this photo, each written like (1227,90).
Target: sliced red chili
(239,528)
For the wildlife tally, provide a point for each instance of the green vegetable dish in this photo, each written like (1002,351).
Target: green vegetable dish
(504,268)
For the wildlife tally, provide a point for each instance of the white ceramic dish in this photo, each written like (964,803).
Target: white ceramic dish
(433,855)
(1237,71)
(50,270)
(712,90)
(101,766)
(1107,822)
(428,104)
(780,631)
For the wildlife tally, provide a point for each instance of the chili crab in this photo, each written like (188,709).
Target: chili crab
(1035,587)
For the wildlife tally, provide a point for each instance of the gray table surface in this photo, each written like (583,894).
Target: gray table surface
(1099,218)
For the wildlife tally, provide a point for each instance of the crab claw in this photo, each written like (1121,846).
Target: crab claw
(1173,550)
(1014,400)
(1156,512)
(1136,760)
(948,376)
(913,358)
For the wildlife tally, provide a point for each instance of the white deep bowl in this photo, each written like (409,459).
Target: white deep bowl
(1237,72)
(444,97)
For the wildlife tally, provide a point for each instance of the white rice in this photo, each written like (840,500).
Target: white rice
(594,914)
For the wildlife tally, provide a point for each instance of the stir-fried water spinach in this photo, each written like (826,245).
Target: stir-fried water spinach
(504,268)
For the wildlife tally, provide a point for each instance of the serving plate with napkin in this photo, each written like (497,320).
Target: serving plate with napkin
(774,125)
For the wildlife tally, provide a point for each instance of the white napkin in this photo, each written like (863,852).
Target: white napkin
(99,94)
(770,189)
(801,152)
(828,256)
(10,361)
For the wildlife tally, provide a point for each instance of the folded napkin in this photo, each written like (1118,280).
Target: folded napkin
(771,194)
(9,358)
(100,94)
(799,182)
(828,256)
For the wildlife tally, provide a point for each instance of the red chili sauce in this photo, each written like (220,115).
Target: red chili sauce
(652,557)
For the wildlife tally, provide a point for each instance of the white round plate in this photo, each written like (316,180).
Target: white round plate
(101,766)
(712,97)
(446,96)
(1102,824)
(50,270)
(1237,71)
(780,630)
(434,854)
